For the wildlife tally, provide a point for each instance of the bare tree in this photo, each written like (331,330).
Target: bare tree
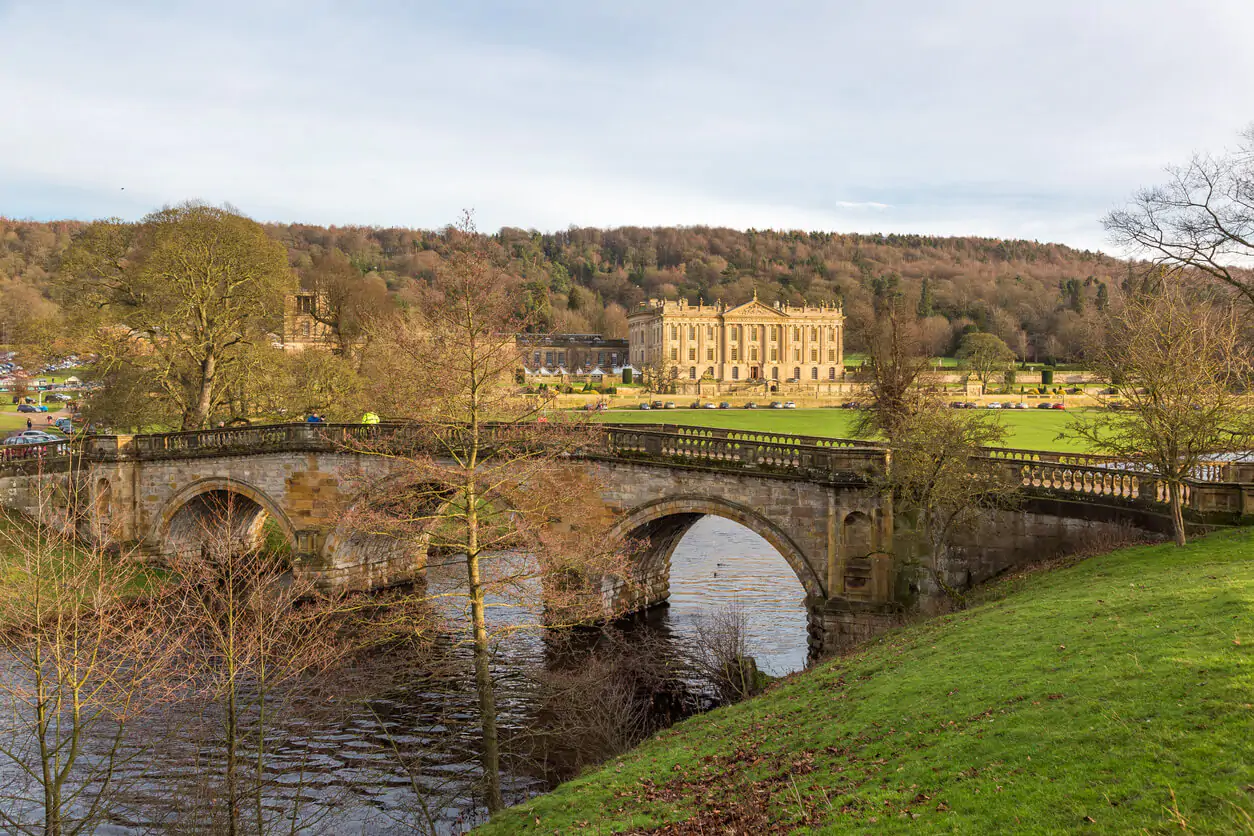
(1183,372)
(477,473)
(86,647)
(721,654)
(938,476)
(986,354)
(897,364)
(260,639)
(1202,218)
(344,300)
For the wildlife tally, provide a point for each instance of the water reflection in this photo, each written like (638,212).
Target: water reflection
(403,760)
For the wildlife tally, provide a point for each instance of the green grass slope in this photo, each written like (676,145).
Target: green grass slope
(1113,696)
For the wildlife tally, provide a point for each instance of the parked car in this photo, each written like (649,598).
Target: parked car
(656,404)
(724,405)
(710,406)
(65,425)
(695,405)
(994,405)
(1021,405)
(644,406)
(790,405)
(25,407)
(668,405)
(777,405)
(751,405)
(1044,406)
(1060,406)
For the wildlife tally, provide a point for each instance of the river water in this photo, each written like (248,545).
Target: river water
(403,760)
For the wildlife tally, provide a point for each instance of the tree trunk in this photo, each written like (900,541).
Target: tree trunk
(198,417)
(483,683)
(1176,490)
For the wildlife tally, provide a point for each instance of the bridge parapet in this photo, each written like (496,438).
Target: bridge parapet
(829,464)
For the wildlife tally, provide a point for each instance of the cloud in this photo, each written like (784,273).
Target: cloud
(976,118)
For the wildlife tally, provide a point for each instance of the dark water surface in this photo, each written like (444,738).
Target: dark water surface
(405,761)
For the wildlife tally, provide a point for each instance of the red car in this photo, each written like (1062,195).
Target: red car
(1060,406)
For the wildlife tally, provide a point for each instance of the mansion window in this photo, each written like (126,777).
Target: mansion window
(735,354)
(814,372)
(692,354)
(674,353)
(774,333)
(796,374)
(548,358)
(561,358)
(709,354)
(536,359)
(753,332)
(774,372)
(796,354)
(831,355)
(692,332)
(735,373)
(831,373)
(796,333)
(674,332)
(709,332)
(753,353)
(304,304)
(774,352)
(814,333)
(814,355)
(692,372)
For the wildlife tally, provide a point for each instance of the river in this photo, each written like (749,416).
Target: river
(403,761)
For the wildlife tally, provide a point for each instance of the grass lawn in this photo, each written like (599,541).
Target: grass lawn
(1113,696)
(1032,429)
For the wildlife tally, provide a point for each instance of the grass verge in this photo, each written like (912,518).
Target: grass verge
(1112,696)
(1029,429)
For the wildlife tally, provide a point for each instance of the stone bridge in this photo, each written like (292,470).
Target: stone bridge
(815,500)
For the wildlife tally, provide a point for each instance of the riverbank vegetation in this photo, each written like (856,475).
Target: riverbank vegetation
(1110,696)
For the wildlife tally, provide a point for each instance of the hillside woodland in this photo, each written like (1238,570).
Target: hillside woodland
(1039,298)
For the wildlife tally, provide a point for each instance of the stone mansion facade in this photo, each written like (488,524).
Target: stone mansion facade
(753,342)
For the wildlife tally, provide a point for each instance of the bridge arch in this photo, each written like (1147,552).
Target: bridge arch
(660,524)
(185,520)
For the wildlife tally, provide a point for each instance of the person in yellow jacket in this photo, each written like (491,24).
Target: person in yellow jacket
(370,418)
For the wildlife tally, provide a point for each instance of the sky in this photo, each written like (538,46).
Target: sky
(1024,119)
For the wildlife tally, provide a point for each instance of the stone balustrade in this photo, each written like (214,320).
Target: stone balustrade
(812,457)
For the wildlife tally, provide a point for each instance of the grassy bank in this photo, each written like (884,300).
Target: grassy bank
(1032,429)
(1114,696)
